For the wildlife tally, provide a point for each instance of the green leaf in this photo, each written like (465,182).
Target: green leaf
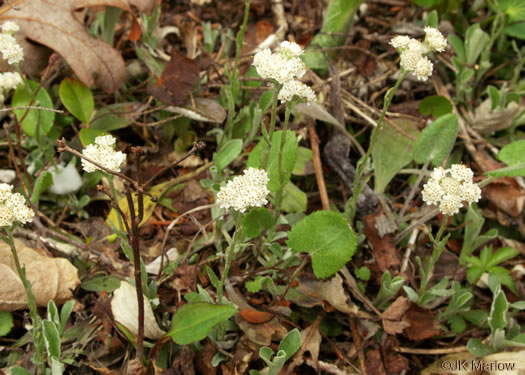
(519,339)
(519,305)
(501,255)
(256,221)
(392,151)
(494,96)
(514,9)
(291,343)
(435,105)
(114,116)
(457,324)
(457,44)
(411,293)
(516,30)
(476,41)
(17,370)
(504,277)
(428,3)
(6,323)
(77,98)
(42,183)
(474,222)
(66,311)
(193,322)
(266,101)
(88,135)
(513,153)
(289,156)
(497,317)
(227,153)
(512,171)
(294,199)
(101,284)
(328,238)
(363,273)
(437,140)
(474,273)
(476,317)
(51,338)
(476,347)
(36,119)
(304,157)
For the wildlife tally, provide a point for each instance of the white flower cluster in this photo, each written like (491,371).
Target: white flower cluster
(103,153)
(8,81)
(11,50)
(286,67)
(412,52)
(248,190)
(13,207)
(450,188)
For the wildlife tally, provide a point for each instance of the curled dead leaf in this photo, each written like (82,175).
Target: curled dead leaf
(125,308)
(486,120)
(255,316)
(53,23)
(51,278)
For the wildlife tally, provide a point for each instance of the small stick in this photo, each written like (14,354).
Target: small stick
(318,166)
(357,343)
(7,109)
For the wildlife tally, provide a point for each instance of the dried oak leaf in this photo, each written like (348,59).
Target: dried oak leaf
(422,322)
(392,318)
(382,246)
(254,316)
(51,278)
(177,79)
(374,363)
(54,23)
(506,194)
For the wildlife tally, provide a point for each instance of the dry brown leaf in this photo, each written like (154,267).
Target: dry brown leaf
(53,23)
(374,364)
(422,323)
(486,120)
(255,316)
(51,278)
(312,337)
(262,334)
(507,196)
(333,292)
(392,318)
(383,247)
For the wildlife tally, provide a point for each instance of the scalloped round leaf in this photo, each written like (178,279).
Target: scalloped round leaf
(327,237)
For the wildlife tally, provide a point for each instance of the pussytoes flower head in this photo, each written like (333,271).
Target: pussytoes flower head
(8,81)
(13,207)
(285,67)
(434,40)
(412,52)
(10,49)
(10,27)
(296,88)
(450,188)
(248,190)
(103,153)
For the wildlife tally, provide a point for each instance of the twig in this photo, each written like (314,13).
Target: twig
(357,343)
(13,156)
(314,142)
(62,146)
(294,275)
(410,248)
(196,147)
(7,109)
(328,367)
(458,349)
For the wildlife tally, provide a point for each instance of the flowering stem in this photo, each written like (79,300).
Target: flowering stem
(359,183)
(228,256)
(428,267)
(31,303)
(279,195)
(269,135)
